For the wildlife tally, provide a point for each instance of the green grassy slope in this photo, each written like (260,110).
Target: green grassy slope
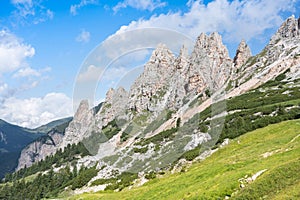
(218,175)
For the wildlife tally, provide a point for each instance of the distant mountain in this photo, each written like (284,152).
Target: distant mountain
(14,138)
(44,146)
(47,127)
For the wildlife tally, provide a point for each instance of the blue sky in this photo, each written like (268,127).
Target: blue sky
(43,43)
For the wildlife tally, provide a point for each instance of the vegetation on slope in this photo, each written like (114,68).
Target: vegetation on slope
(273,102)
(70,153)
(48,184)
(274,148)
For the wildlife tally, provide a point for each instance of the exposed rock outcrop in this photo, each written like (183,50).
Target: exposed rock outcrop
(243,53)
(40,149)
(279,55)
(79,127)
(114,105)
(289,29)
(210,63)
(149,90)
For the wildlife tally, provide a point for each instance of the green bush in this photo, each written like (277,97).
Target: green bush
(164,135)
(150,175)
(163,117)
(280,77)
(123,180)
(140,150)
(207,92)
(191,154)
(83,177)
(203,128)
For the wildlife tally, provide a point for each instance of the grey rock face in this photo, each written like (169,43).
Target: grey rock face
(149,90)
(167,80)
(39,149)
(289,29)
(243,53)
(79,127)
(210,63)
(280,54)
(114,105)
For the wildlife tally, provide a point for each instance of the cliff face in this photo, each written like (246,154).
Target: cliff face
(210,63)
(167,91)
(39,149)
(243,53)
(79,127)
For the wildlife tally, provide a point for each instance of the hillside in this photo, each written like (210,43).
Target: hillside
(12,140)
(244,114)
(274,149)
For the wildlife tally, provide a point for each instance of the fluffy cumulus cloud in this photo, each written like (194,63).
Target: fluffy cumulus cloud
(235,20)
(140,5)
(84,36)
(34,112)
(75,7)
(13,53)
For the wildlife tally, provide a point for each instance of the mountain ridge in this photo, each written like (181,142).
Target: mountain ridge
(157,122)
(205,71)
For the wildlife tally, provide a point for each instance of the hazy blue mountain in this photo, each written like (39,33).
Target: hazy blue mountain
(14,138)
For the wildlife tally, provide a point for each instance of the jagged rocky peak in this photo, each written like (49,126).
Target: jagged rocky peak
(82,108)
(243,53)
(80,125)
(289,29)
(114,105)
(113,96)
(153,82)
(183,58)
(162,55)
(109,95)
(211,44)
(210,64)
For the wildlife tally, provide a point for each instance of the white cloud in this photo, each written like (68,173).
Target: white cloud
(235,20)
(34,112)
(140,5)
(50,14)
(46,69)
(84,36)
(113,73)
(30,11)
(29,72)
(22,2)
(13,53)
(25,72)
(74,8)
(3,88)
(92,73)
